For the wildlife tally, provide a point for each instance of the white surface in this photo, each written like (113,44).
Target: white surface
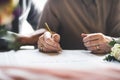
(67,58)
(40,3)
(26,28)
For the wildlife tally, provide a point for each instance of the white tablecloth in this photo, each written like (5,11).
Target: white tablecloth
(66,65)
(66,58)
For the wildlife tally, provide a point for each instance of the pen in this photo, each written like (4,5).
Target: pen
(47,27)
(56,38)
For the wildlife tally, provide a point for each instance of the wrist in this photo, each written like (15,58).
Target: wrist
(109,39)
(30,39)
(24,40)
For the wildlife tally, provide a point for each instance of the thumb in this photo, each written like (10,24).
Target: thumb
(56,37)
(83,35)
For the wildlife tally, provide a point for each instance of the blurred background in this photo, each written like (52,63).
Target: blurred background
(40,3)
(27,28)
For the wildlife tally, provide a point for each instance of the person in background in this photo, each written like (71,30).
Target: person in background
(80,24)
(12,15)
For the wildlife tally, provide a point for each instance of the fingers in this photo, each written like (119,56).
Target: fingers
(91,43)
(92,37)
(56,37)
(94,46)
(96,42)
(83,35)
(100,49)
(95,49)
(49,42)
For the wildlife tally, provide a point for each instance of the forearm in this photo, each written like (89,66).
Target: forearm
(30,39)
(117,39)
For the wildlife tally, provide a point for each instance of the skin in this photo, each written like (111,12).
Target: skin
(91,41)
(49,42)
(30,39)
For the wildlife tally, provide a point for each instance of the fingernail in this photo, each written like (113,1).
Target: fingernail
(56,37)
(83,35)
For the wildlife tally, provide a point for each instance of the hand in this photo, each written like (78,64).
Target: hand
(97,42)
(49,42)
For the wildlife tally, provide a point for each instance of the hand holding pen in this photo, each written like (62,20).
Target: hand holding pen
(49,41)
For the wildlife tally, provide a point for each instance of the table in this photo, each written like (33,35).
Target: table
(66,65)
(66,58)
